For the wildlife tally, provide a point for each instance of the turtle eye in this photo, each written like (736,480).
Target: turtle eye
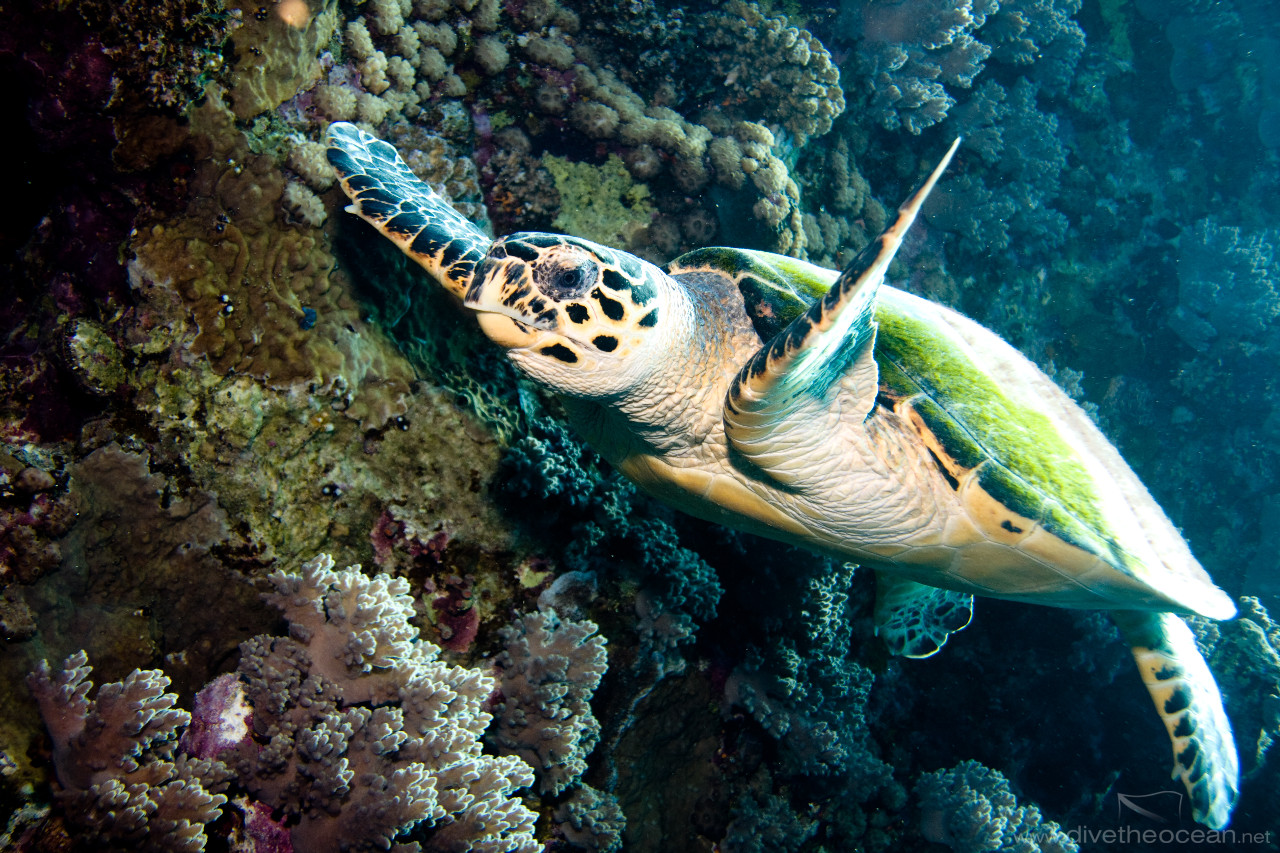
(565,280)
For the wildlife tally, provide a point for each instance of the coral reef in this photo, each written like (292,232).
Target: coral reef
(547,672)
(209,372)
(361,733)
(114,757)
(971,808)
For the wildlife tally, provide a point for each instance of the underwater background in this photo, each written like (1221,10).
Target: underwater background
(211,376)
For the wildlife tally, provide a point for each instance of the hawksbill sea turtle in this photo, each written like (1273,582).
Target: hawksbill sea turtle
(832,411)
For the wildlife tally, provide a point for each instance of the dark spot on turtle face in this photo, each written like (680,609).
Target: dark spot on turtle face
(648,321)
(514,296)
(1185,727)
(577,312)
(942,469)
(521,251)
(537,305)
(615,280)
(612,308)
(498,252)
(1179,700)
(1010,526)
(542,241)
(1164,673)
(561,352)
(605,343)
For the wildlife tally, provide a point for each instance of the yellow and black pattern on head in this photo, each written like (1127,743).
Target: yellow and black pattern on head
(407,211)
(596,301)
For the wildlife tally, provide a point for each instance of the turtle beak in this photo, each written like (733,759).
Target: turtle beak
(510,310)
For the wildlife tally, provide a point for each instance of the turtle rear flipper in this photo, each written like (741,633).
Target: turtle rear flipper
(391,198)
(1188,701)
(915,620)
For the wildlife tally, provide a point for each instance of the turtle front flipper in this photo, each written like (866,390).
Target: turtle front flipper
(412,215)
(1188,701)
(915,620)
(766,408)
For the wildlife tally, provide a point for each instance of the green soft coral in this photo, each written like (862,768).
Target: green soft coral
(600,203)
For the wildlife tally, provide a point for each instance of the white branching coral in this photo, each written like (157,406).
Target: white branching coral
(114,757)
(362,735)
(548,672)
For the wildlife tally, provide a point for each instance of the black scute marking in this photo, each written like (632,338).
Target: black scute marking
(378,209)
(359,183)
(378,194)
(578,312)
(605,343)
(1185,727)
(523,252)
(951,481)
(650,320)
(1188,756)
(1010,526)
(612,308)
(1179,700)
(461,271)
(561,352)
(615,280)
(341,161)
(406,223)
(543,241)
(426,244)
(454,252)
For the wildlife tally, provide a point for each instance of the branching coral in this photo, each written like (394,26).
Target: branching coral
(114,756)
(911,48)
(547,673)
(971,809)
(361,733)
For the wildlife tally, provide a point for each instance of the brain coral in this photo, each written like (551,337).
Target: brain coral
(263,294)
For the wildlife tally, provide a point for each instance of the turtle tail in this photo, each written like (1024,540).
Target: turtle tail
(1188,701)
(387,195)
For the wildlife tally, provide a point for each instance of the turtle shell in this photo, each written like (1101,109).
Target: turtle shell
(1032,470)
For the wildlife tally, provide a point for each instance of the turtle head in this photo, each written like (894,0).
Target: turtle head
(580,318)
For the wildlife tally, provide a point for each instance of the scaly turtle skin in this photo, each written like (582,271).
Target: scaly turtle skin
(843,415)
